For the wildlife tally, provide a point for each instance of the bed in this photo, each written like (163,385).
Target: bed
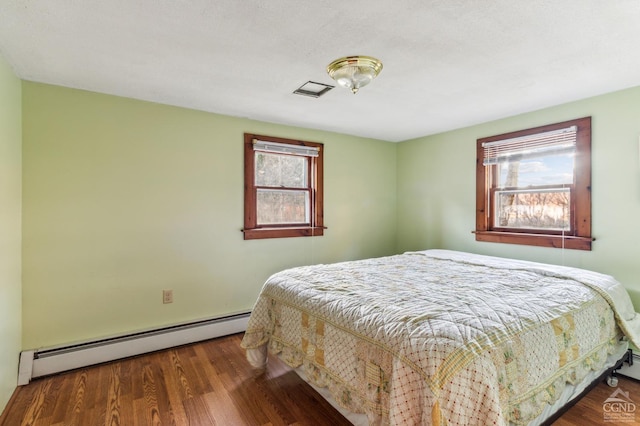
(440,337)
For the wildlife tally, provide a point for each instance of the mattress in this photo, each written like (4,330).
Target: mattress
(440,337)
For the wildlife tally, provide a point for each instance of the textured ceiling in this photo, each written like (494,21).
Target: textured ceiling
(447,63)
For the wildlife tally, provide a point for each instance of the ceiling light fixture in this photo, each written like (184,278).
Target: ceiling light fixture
(354,72)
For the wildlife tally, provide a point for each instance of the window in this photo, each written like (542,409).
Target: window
(534,186)
(283,188)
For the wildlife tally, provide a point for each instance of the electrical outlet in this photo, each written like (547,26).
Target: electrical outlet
(167,296)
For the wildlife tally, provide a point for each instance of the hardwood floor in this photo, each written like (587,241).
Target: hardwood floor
(207,383)
(590,409)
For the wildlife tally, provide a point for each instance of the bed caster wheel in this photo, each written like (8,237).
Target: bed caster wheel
(612,381)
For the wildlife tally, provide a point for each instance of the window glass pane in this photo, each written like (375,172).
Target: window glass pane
(547,209)
(276,207)
(289,171)
(548,170)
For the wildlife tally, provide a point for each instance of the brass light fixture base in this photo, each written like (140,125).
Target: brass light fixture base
(354,72)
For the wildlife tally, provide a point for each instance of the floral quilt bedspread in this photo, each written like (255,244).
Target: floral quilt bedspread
(439,337)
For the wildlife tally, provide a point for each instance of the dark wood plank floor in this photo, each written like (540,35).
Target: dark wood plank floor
(208,383)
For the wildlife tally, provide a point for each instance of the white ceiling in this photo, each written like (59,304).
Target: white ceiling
(447,63)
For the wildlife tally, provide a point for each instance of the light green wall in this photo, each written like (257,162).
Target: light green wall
(124,198)
(436,188)
(10,227)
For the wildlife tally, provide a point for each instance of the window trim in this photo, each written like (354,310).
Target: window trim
(580,238)
(251,229)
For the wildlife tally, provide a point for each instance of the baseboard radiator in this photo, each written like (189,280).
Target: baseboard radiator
(44,362)
(632,369)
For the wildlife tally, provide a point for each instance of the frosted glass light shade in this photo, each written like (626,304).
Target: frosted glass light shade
(354,72)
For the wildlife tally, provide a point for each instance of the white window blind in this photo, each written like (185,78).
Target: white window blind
(285,148)
(531,146)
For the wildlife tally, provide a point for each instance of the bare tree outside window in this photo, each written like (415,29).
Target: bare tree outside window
(283,195)
(539,209)
(511,181)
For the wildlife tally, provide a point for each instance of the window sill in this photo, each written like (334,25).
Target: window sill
(540,240)
(260,233)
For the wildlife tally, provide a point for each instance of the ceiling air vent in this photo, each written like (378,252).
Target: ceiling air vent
(313,89)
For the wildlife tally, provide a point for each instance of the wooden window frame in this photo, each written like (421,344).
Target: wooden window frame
(254,231)
(579,238)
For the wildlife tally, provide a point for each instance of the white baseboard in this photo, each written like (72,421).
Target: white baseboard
(43,362)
